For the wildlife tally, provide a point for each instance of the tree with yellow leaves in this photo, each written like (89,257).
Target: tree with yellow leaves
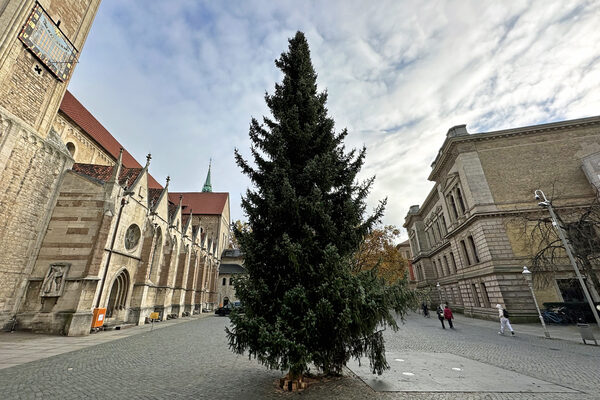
(379,251)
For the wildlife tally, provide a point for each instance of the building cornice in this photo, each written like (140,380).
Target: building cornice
(444,154)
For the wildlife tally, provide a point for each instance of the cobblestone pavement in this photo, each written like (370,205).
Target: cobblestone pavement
(191,361)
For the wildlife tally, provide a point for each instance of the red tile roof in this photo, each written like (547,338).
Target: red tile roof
(153,195)
(172,208)
(86,121)
(207,203)
(127,176)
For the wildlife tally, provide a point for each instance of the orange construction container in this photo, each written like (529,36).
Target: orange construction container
(98,320)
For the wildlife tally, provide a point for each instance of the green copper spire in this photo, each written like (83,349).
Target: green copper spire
(207,186)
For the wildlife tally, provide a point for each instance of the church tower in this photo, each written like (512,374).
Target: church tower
(40,43)
(207,186)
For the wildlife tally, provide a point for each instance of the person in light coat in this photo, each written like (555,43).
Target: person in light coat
(504,321)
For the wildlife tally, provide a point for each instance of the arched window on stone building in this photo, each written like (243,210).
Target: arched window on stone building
(71,148)
(118,294)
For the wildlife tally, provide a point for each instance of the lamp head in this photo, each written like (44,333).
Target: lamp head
(537,197)
(526,274)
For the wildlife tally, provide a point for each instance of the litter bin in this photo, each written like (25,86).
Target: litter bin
(586,333)
(98,319)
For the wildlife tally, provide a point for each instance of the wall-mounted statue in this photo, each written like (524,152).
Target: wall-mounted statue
(54,282)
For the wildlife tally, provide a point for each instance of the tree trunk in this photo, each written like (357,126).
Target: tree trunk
(292,382)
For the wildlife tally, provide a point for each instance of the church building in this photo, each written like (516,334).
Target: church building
(83,225)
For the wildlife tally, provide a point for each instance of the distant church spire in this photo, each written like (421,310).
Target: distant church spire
(207,186)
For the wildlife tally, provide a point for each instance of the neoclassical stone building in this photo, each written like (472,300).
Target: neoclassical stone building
(83,225)
(466,235)
(404,249)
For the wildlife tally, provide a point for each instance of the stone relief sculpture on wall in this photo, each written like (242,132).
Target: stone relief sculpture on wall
(54,282)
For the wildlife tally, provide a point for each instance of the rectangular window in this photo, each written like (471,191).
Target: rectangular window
(476,302)
(570,290)
(453,262)
(437,228)
(413,245)
(484,292)
(461,202)
(434,234)
(583,237)
(453,206)
(444,227)
(435,268)
(473,248)
(446,267)
(465,252)
(429,238)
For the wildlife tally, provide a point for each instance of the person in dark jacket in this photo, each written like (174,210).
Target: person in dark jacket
(425,309)
(448,315)
(440,314)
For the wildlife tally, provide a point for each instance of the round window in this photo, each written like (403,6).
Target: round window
(132,236)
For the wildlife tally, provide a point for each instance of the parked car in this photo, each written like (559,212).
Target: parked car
(238,307)
(225,310)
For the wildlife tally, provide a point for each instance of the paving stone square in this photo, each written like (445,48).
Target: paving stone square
(191,360)
(445,372)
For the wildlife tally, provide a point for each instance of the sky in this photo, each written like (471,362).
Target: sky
(182,79)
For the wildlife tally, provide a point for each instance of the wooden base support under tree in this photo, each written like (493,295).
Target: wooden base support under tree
(292,385)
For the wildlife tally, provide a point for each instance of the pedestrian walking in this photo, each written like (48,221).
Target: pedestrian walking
(425,309)
(440,314)
(448,316)
(504,321)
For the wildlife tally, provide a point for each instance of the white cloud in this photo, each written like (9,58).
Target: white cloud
(182,79)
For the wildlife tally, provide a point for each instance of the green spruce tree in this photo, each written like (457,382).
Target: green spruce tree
(307,218)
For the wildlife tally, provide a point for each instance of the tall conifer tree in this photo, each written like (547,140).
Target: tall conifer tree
(306,219)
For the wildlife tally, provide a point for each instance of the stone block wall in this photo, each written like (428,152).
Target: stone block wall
(31,168)
(76,225)
(551,161)
(32,157)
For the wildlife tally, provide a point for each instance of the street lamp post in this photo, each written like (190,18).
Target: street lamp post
(539,195)
(527,276)
(439,292)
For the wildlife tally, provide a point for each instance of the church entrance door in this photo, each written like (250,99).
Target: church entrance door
(118,297)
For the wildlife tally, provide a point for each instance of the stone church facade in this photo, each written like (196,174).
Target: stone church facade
(83,225)
(467,235)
